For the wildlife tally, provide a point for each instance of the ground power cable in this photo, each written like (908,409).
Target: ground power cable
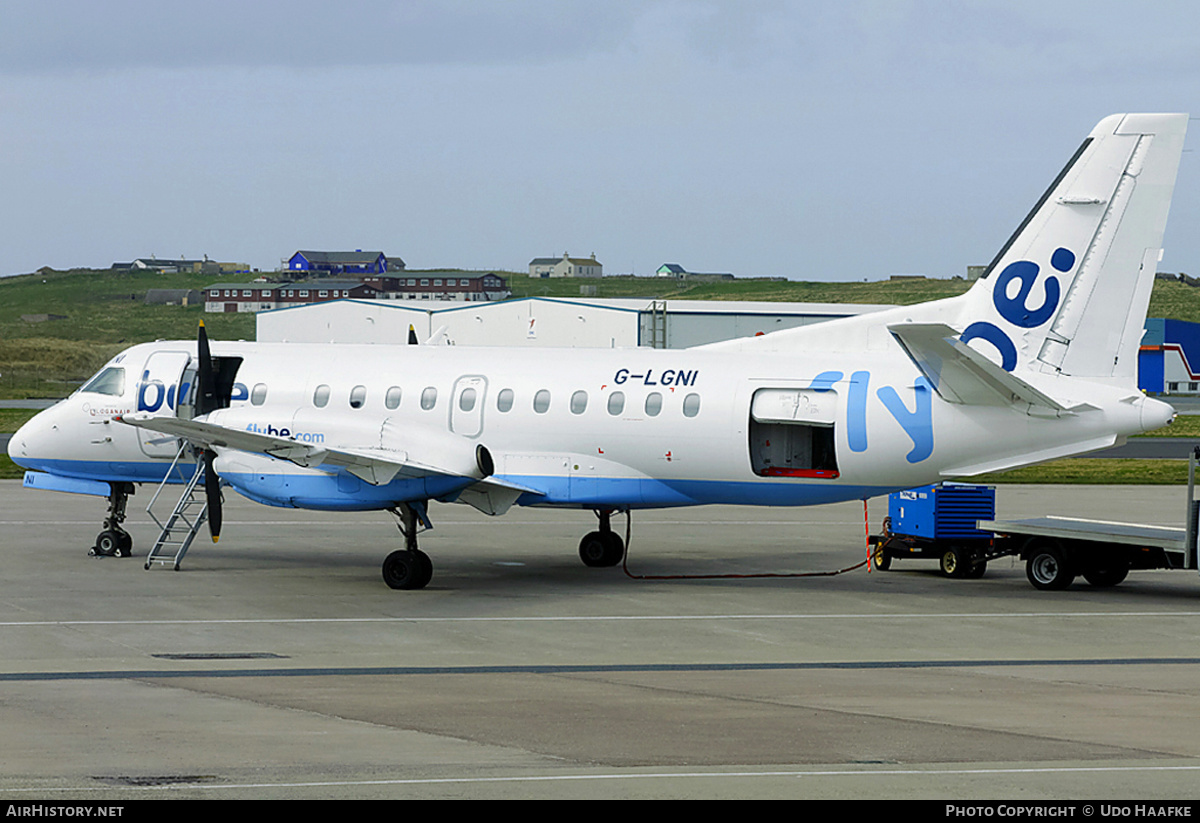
(864,562)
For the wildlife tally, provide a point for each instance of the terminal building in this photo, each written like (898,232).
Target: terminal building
(545,321)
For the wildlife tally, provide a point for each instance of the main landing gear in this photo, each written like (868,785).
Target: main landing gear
(409,568)
(604,547)
(114,541)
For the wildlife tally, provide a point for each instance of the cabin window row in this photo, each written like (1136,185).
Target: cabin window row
(469,397)
(615,405)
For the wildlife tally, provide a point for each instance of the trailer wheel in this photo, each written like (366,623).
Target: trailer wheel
(1110,576)
(978,570)
(956,562)
(881,559)
(1047,567)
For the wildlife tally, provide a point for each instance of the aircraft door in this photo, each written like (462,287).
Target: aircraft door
(466,405)
(158,393)
(792,433)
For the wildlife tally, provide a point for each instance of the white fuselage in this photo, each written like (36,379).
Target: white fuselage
(612,428)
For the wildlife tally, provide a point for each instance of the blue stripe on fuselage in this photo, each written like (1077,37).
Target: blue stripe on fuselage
(342,491)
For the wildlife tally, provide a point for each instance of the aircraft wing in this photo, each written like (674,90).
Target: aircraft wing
(959,374)
(377,466)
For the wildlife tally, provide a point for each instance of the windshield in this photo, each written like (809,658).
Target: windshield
(109,381)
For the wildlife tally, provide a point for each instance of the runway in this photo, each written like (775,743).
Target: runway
(277,664)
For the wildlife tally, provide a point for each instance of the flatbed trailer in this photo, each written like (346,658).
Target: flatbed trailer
(1056,550)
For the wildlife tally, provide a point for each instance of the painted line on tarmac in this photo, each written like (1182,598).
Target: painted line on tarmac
(593,618)
(584,668)
(559,778)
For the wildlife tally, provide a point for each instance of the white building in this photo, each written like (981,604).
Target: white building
(545,321)
(566,266)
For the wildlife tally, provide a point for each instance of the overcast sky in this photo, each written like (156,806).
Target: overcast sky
(811,140)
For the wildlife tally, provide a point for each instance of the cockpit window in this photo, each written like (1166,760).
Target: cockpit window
(109,381)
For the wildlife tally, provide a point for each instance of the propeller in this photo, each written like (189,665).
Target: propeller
(412,335)
(206,401)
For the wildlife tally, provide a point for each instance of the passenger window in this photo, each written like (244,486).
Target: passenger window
(616,403)
(392,398)
(110,381)
(358,396)
(691,405)
(579,402)
(321,396)
(466,400)
(541,401)
(653,404)
(504,400)
(429,398)
(258,395)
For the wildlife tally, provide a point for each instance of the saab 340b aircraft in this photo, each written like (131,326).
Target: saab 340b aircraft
(1036,361)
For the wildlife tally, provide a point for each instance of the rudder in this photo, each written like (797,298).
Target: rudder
(1068,292)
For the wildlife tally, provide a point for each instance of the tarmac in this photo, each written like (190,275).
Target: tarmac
(277,664)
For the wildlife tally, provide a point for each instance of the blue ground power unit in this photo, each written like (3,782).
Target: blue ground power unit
(945,511)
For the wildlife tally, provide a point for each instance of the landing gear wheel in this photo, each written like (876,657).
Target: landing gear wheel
(1106,577)
(108,544)
(1048,569)
(600,549)
(125,544)
(406,569)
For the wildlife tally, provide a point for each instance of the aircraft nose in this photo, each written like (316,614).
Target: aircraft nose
(18,444)
(23,445)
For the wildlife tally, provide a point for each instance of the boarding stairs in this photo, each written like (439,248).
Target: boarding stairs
(185,520)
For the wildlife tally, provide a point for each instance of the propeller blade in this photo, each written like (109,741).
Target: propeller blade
(212,493)
(412,335)
(206,391)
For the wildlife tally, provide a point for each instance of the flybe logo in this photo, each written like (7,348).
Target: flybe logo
(1013,304)
(152,394)
(284,431)
(917,421)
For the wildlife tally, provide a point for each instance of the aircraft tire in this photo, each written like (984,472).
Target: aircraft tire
(1047,567)
(407,570)
(108,544)
(600,549)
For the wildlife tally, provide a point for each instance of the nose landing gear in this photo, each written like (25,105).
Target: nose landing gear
(114,541)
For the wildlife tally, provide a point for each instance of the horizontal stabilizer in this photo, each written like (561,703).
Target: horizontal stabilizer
(959,374)
(1019,460)
(376,466)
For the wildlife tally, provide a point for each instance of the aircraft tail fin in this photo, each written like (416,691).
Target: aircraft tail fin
(1068,292)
